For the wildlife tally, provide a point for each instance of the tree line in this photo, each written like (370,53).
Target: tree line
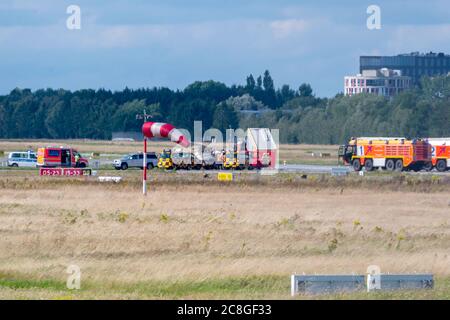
(300,115)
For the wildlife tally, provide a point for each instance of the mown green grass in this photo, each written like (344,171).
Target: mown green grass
(48,284)
(252,287)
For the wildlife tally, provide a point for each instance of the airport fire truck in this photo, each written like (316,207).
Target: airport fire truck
(440,153)
(392,154)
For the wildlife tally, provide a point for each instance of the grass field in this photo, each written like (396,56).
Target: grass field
(195,237)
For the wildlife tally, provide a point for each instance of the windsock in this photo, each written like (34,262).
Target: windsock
(164,130)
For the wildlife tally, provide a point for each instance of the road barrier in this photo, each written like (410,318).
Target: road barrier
(390,282)
(332,284)
(339,172)
(326,284)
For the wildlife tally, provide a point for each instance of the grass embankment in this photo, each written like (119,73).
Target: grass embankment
(256,287)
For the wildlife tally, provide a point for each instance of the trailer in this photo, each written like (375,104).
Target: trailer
(440,153)
(392,154)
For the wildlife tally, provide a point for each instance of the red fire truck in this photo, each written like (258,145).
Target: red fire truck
(60,157)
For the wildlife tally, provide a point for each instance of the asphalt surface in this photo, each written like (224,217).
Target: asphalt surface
(294,168)
(312,168)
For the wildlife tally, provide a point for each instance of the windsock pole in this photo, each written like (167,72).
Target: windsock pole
(144,166)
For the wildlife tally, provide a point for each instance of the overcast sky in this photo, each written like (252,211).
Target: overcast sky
(173,43)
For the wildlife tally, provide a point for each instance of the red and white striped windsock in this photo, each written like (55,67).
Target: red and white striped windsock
(164,130)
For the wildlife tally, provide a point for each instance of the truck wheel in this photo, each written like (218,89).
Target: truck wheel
(441,165)
(82,165)
(149,166)
(399,165)
(427,166)
(368,165)
(390,165)
(15,165)
(124,166)
(356,165)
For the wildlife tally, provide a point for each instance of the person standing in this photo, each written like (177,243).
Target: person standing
(77,159)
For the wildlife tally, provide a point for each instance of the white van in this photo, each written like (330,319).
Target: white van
(22,159)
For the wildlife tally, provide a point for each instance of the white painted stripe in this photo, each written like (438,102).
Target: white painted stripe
(156,129)
(175,135)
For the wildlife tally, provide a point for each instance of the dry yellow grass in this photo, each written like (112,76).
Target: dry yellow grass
(302,153)
(200,232)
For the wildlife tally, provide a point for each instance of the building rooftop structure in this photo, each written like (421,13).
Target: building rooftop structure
(414,64)
(428,54)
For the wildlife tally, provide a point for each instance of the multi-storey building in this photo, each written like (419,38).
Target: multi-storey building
(384,82)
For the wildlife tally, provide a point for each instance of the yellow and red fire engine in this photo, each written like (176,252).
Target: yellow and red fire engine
(386,153)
